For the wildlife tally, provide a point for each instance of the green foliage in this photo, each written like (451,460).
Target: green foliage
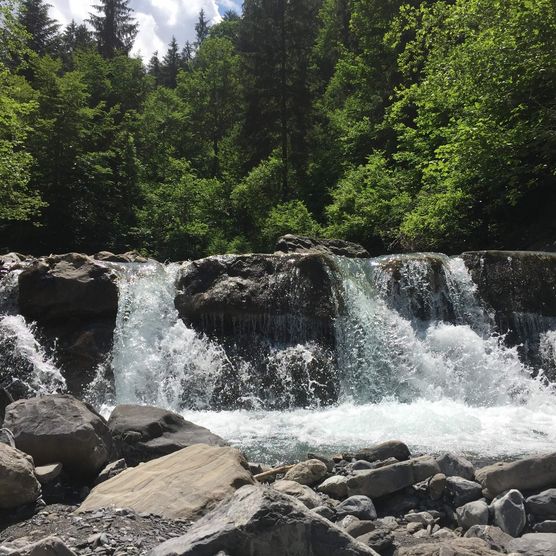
(288,218)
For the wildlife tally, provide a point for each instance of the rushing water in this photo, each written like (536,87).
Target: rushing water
(418,359)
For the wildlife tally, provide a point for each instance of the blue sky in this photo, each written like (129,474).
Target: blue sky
(158,19)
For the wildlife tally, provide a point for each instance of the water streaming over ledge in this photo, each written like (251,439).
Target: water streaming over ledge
(417,358)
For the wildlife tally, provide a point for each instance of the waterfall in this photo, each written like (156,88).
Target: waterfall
(25,367)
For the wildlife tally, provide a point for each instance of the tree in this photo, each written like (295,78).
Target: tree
(154,68)
(114,27)
(201,29)
(171,65)
(74,38)
(42,30)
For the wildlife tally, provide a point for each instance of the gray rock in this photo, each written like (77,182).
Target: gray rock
(51,546)
(307,472)
(335,487)
(61,429)
(5,400)
(325,511)
(508,512)
(357,527)
(548,526)
(437,486)
(299,244)
(473,513)
(18,484)
(361,465)
(392,449)
(534,544)
(303,493)
(262,522)
(327,461)
(542,506)
(388,522)
(454,465)
(111,470)
(494,536)
(359,506)
(380,540)
(449,547)
(144,433)
(461,491)
(423,518)
(48,473)
(533,473)
(397,504)
(390,479)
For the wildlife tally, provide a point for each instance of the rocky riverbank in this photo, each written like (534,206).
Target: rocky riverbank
(146,481)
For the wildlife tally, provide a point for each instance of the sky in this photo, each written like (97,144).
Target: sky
(158,19)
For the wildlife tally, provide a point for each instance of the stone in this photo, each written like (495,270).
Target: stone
(300,244)
(111,470)
(454,465)
(357,527)
(303,493)
(508,512)
(361,465)
(444,533)
(390,479)
(18,484)
(450,547)
(413,526)
(473,513)
(61,429)
(307,472)
(548,526)
(436,486)
(335,487)
(259,521)
(534,544)
(388,522)
(421,534)
(5,400)
(391,449)
(48,473)
(327,461)
(51,546)
(461,491)
(380,540)
(534,473)
(493,536)
(183,485)
(144,433)
(424,518)
(542,506)
(325,511)
(359,506)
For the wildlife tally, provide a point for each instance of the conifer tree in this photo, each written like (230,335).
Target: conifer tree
(154,69)
(171,64)
(201,29)
(114,27)
(42,30)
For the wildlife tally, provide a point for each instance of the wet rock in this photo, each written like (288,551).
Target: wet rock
(380,540)
(183,485)
(392,478)
(454,465)
(144,433)
(548,526)
(61,429)
(534,544)
(494,536)
(307,472)
(335,487)
(51,546)
(260,521)
(473,513)
(359,506)
(508,512)
(18,484)
(300,244)
(436,486)
(111,470)
(48,473)
(532,473)
(303,493)
(461,491)
(392,449)
(542,506)
(450,547)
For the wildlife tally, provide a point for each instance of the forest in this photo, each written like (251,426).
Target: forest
(404,125)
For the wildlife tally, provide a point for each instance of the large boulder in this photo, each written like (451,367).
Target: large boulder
(494,536)
(534,544)
(461,491)
(300,244)
(392,478)
(307,472)
(18,484)
(454,465)
(473,513)
(532,473)
(450,547)
(386,450)
(61,429)
(543,506)
(183,485)
(303,493)
(51,546)
(144,433)
(259,521)
(508,511)
(67,286)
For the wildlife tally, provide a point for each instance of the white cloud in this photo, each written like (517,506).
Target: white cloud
(159,20)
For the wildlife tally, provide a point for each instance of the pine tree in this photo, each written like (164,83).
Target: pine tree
(201,29)
(186,56)
(171,64)
(114,27)
(74,38)
(154,68)
(42,30)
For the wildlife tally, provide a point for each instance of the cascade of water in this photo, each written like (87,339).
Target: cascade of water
(25,368)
